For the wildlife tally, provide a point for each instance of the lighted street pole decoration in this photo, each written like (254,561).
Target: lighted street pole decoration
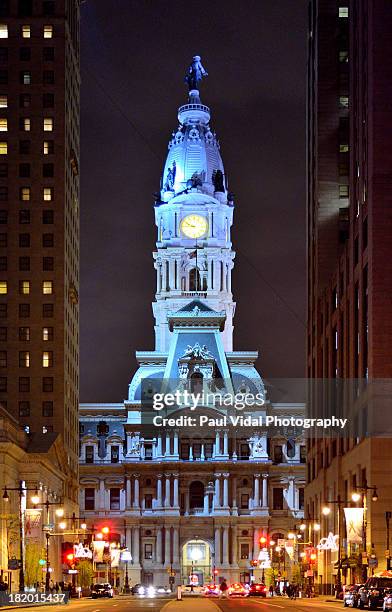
(310,525)
(35,499)
(339,502)
(361,492)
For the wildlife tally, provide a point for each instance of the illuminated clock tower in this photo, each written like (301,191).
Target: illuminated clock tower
(193,215)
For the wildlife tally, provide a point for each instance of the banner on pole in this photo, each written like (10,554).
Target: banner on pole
(354,525)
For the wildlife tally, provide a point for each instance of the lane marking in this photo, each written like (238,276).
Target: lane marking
(264,603)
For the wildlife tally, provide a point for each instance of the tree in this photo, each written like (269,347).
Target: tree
(270,574)
(85,573)
(33,570)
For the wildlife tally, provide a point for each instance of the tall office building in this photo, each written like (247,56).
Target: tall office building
(39,219)
(350,254)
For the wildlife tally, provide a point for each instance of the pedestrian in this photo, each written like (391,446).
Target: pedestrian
(223,588)
(271,590)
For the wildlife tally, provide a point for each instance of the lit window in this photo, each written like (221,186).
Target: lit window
(25,194)
(24,287)
(343,12)
(26,32)
(26,77)
(343,57)
(343,191)
(47,334)
(3,101)
(3,124)
(26,124)
(3,148)
(48,147)
(3,287)
(343,148)
(24,359)
(48,31)
(343,101)
(48,194)
(47,287)
(3,30)
(47,359)
(48,124)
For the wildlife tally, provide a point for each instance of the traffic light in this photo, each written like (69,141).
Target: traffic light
(216,572)
(263,541)
(105,530)
(68,555)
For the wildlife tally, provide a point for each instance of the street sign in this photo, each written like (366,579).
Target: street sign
(194,579)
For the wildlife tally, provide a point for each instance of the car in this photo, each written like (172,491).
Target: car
(163,590)
(143,590)
(387,603)
(257,590)
(237,590)
(102,590)
(352,595)
(372,594)
(211,590)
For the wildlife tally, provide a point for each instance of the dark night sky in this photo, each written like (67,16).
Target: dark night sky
(134,57)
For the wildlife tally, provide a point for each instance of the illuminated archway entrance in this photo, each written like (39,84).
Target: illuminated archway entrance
(196,562)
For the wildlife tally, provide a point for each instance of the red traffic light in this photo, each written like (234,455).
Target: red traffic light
(263,541)
(70,557)
(105,530)
(216,572)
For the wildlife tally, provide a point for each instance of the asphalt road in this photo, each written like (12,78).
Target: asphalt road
(258,604)
(251,604)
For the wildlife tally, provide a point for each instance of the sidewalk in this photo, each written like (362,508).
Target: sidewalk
(191,604)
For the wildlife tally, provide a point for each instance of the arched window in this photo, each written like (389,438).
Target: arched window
(196,494)
(194,280)
(196,382)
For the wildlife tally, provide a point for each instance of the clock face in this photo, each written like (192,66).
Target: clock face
(194,226)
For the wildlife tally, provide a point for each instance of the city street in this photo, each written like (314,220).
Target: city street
(201,604)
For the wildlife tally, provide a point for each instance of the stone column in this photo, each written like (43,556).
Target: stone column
(225,545)
(256,543)
(217,491)
(226,490)
(176,546)
(159,490)
(217,444)
(175,445)
(206,502)
(159,446)
(172,281)
(234,492)
(234,548)
(167,491)
(159,545)
(136,501)
(167,445)
(128,538)
(175,491)
(101,495)
(167,545)
(291,493)
(217,546)
(159,279)
(136,545)
(226,443)
(256,499)
(178,279)
(265,490)
(209,282)
(230,266)
(224,275)
(164,275)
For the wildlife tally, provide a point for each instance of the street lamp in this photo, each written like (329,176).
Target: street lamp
(21,489)
(356,496)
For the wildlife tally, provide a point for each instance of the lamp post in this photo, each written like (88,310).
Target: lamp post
(361,492)
(21,489)
(388,516)
(339,502)
(310,524)
(60,513)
